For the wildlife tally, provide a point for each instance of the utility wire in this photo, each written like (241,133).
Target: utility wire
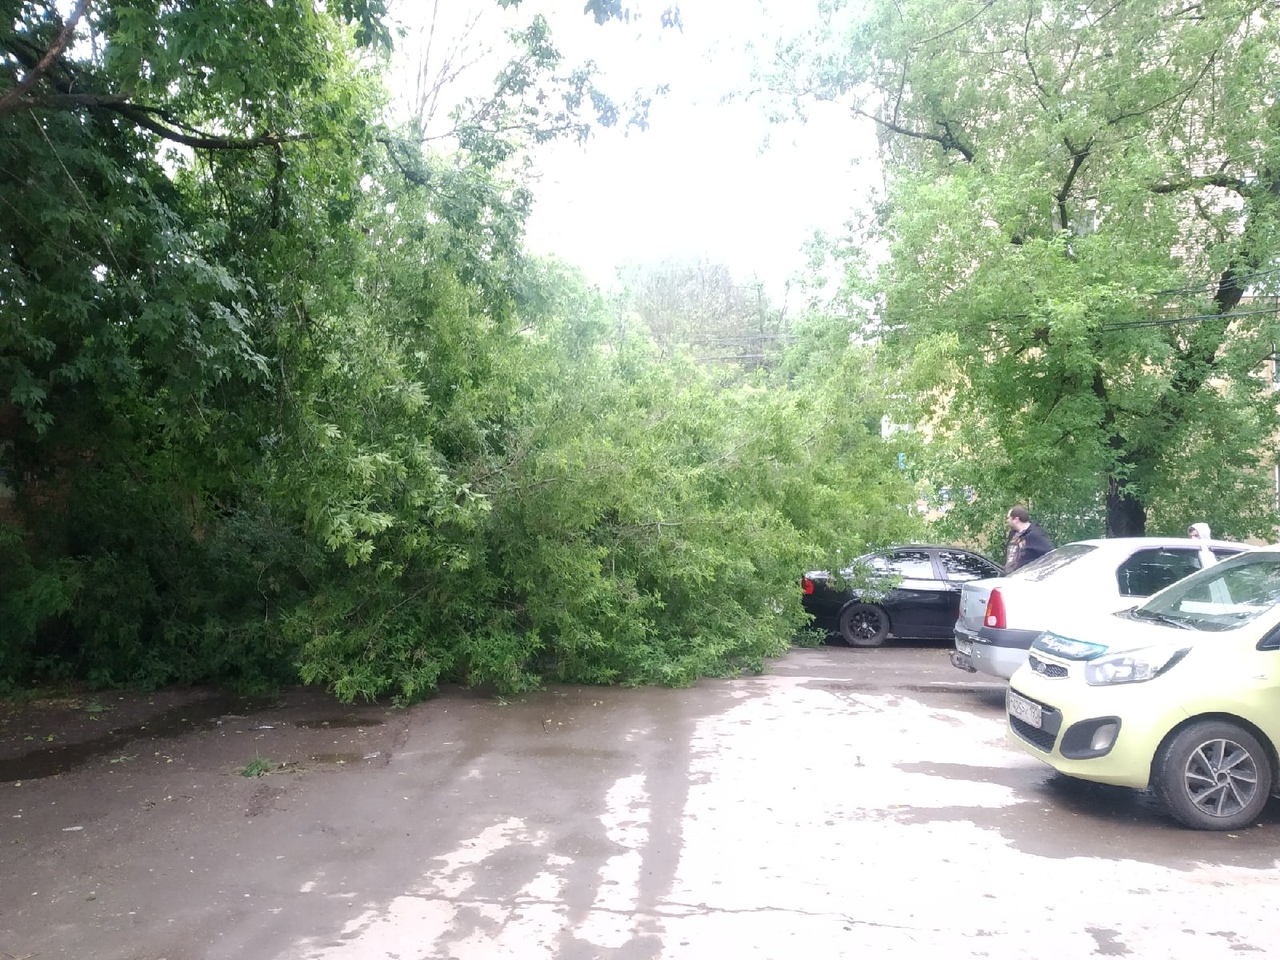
(1192,318)
(1243,278)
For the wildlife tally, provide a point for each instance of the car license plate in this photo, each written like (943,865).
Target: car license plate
(965,647)
(1025,710)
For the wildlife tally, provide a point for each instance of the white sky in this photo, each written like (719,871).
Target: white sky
(699,183)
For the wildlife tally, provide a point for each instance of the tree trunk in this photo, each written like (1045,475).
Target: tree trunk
(1126,516)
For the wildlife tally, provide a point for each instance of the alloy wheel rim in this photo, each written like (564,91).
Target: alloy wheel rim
(1221,777)
(866,625)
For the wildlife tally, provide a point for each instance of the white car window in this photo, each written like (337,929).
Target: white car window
(1053,561)
(1150,571)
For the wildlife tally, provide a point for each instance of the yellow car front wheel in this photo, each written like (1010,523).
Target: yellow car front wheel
(1213,775)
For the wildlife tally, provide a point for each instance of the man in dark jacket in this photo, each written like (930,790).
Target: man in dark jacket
(1027,540)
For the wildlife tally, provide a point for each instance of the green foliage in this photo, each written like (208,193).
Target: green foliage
(1068,250)
(810,637)
(610,518)
(282,397)
(529,107)
(257,767)
(143,290)
(31,596)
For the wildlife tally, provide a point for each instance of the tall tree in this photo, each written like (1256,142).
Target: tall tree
(172,176)
(1081,223)
(699,307)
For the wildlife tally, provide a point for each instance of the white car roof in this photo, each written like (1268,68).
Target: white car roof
(1127,544)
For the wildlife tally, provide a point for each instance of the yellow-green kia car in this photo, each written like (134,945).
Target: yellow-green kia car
(1180,694)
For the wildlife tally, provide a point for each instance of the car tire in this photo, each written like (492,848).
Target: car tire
(1213,775)
(864,625)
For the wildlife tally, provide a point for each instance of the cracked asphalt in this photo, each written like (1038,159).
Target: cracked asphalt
(848,803)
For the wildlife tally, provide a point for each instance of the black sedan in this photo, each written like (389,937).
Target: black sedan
(907,591)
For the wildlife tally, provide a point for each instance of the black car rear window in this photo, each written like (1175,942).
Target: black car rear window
(1052,561)
(958,566)
(909,564)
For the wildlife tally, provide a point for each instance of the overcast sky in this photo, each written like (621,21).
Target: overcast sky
(700,182)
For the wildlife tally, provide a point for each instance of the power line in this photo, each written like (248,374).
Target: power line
(1243,278)
(1191,318)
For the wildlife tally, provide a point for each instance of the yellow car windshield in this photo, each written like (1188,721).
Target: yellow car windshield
(1222,597)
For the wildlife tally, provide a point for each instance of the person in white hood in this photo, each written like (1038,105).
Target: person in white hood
(1198,531)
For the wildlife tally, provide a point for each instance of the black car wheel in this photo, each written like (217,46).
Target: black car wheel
(1213,775)
(863,625)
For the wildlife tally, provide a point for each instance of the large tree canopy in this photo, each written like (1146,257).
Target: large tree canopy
(281,394)
(1081,226)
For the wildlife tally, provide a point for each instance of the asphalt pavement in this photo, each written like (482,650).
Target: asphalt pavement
(847,803)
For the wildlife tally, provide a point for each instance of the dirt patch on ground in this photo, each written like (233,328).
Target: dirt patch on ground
(133,733)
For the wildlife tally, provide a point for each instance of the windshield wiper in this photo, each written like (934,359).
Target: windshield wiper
(1164,618)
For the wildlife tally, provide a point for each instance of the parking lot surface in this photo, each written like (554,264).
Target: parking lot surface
(847,803)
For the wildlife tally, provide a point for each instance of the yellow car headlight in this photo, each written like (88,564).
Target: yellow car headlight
(1132,666)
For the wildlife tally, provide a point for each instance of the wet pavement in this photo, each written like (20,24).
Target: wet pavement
(848,803)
